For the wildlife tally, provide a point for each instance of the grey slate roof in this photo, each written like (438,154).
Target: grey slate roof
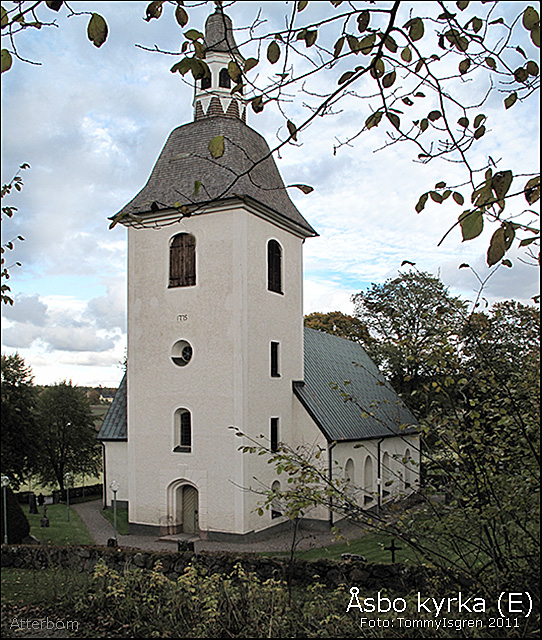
(219,33)
(245,169)
(375,411)
(328,360)
(114,426)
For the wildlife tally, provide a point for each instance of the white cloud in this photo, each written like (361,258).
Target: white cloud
(27,308)
(91,122)
(109,311)
(324,296)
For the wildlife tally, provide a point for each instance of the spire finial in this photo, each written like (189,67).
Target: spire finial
(213,95)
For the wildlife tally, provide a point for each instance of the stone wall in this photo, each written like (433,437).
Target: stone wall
(353,572)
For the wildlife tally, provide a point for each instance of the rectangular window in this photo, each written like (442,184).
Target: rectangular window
(275,360)
(274,266)
(274,434)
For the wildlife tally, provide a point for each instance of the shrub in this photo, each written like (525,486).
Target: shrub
(18,526)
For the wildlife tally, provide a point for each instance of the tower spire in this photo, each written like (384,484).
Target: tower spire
(213,95)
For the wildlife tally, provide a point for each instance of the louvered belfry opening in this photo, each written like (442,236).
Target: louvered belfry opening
(224,79)
(182,261)
(274,267)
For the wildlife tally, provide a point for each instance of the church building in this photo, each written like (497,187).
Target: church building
(216,340)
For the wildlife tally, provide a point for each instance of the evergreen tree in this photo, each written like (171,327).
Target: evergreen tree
(20,436)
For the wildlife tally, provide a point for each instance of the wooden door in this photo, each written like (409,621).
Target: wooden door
(190,509)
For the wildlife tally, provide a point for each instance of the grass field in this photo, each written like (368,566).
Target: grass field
(60,532)
(372,546)
(22,587)
(122,519)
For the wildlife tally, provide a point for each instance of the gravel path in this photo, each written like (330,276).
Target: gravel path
(101,530)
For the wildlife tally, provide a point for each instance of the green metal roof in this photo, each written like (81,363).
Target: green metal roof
(345,393)
(114,426)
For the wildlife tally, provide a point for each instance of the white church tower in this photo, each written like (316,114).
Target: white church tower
(215,324)
(216,339)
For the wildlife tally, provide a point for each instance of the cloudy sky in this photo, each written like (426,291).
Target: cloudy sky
(91,123)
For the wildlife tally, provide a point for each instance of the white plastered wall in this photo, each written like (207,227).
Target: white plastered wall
(398,469)
(229,318)
(116,468)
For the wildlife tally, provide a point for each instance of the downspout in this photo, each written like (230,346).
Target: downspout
(330,473)
(379,474)
(104,497)
(421,478)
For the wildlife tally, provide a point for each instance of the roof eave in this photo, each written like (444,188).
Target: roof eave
(296,385)
(213,206)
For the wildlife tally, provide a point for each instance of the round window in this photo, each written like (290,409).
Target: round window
(181,353)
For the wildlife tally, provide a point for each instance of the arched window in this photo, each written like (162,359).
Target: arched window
(407,461)
(349,472)
(183,431)
(368,480)
(385,475)
(274,266)
(224,79)
(206,82)
(182,260)
(275,504)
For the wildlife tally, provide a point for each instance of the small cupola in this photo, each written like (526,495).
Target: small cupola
(213,95)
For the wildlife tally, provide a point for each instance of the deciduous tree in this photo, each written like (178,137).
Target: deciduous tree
(339,324)
(410,318)
(477,514)
(68,434)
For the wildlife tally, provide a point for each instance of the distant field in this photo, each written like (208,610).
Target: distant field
(78,481)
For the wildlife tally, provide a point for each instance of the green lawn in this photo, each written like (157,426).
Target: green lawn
(371,546)
(21,586)
(60,532)
(122,519)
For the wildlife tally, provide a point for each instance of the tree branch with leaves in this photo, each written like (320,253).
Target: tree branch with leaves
(409,65)
(9,210)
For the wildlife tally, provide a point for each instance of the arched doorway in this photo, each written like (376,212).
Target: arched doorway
(183,508)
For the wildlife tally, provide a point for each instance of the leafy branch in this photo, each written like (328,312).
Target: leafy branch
(8,210)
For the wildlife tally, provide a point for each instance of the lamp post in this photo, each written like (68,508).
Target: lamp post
(114,486)
(5,485)
(67,478)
